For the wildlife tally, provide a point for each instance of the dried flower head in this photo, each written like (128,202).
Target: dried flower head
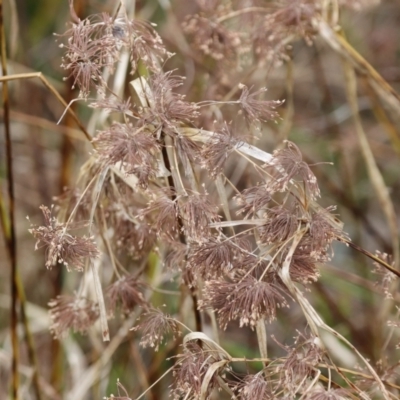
(190,371)
(137,239)
(143,42)
(257,110)
(253,200)
(167,109)
(324,229)
(280,225)
(216,151)
(76,313)
(385,277)
(212,38)
(303,268)
(287,18)
(126,292)
(96,42)
(134,148)
(91,47)
(301,363)
(61,246)
(287,165)
(176,256)
(212,257)
(197,213)
(155,325)
(296,15)
(320,393)
(255,387)
(247,299)
(163,209)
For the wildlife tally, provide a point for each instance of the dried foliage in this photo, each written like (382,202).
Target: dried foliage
(180,204)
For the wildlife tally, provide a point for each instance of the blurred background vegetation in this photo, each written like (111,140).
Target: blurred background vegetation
(316,116)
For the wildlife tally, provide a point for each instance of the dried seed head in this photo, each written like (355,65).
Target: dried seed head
(167,108)
(190,370)
(76,313)
(248,300)
(143,43)
(213,38)
(320,393)
(61,246)
(212,257)
(324,230)
(253,200)
(137,239)
(164,212)
(112,103)
(286,165)
(154,326)
(288,17)
(300,364)
(385,277)
(215,153)
(303,268)
(255,387)
(126,292)
(257,110)
(197,213)
(280,225)
(90,48)
(134,148)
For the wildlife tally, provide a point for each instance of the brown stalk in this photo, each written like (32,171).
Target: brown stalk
(381,116)
(52,90)
(372,168)
(182,237)
(371,256)
(339,44)
(10,233)
(44,124)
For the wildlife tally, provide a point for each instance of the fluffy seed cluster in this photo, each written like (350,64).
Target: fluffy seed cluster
(154,327)
(72,313)
(247,300)
(127,293)
(61,246)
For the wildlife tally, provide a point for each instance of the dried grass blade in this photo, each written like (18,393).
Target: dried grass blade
(208,341)
(376,177)
(225,224)
(385,92)
(262,339)
(142,90)
(96,278)
(314,320)
(100,299)
(208,376)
